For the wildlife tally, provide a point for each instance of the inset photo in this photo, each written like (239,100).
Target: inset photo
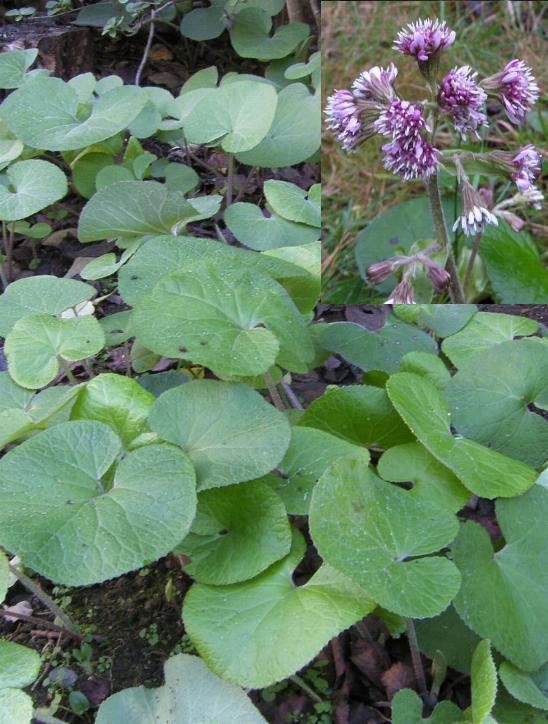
(432,153)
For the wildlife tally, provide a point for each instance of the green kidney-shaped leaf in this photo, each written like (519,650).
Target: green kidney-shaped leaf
(442,319)
(19,665)
(45,114)
(250,35)
(309,453)
(237,116)
(203,23)
(395,231)
(483,471)
(40,295)
(232,320)
(191,693)
(529,688)
(295,132)
(263,630)
(293,203)
(360,414)
(432,481)
(259,232)
(490,396)
(238,532)
(14,65)
(407,709)
(379,535)
(503,593)
(66,522)
(165,253)
(118,401)
(16,707)
(133,208)
(32,185)
(36,344)
(484,682)
(486,330)
(378,350)
(513,266)
(22,411)
(229,431)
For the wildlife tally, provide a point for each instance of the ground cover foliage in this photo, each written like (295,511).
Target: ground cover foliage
(371,215)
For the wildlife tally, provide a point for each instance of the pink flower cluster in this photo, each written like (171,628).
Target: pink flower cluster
(342,118)
(527,164)
(460,95)
(516,88)
(424,39)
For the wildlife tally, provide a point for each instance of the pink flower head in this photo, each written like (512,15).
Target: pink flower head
(517,89)
(376,84)
(474,216)
(411,160)
(423,39)
(402,294)
(403,121)
(342,117)
(461,96)
(527,167)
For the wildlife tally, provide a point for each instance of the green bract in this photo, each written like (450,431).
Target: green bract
(46,114)
(237,533)
(397,531)
(191,693)
(492,598)
(32,186)
(275,627)
(224,317)
(228,430)
(73,518)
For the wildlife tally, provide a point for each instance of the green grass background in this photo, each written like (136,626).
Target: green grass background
(357,35)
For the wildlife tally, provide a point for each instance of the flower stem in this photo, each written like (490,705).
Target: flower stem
(43,596)
(455,287)
(470,267)
(274,394)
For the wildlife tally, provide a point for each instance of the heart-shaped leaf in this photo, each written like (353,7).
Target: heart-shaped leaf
(442,319)
(228,430)
(293,203)
(426,365)
(237,116)
(447,633)
(381,537)
(238,531)
(305,291)
(513,266)
(134,208)
(37,343)
(263,630)
(118,401)
(45,114)
(503,593)
(490,398)
(14,65)
(232,320)
(485,472)
(529,688)
(191,693)
(204,23)
(407,709)
(19,667)
(158,255)
(67,523)
(32,185)
(10,149)
(432,481)
(486,330)
(378,350)
(259,232)
(294,135)
(360,414)
(309,453)
(21,411)
(250,35)
(40,295)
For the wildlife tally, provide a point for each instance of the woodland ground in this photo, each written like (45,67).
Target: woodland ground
(358,35)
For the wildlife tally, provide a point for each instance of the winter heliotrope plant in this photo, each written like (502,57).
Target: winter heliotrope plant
(412,149)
